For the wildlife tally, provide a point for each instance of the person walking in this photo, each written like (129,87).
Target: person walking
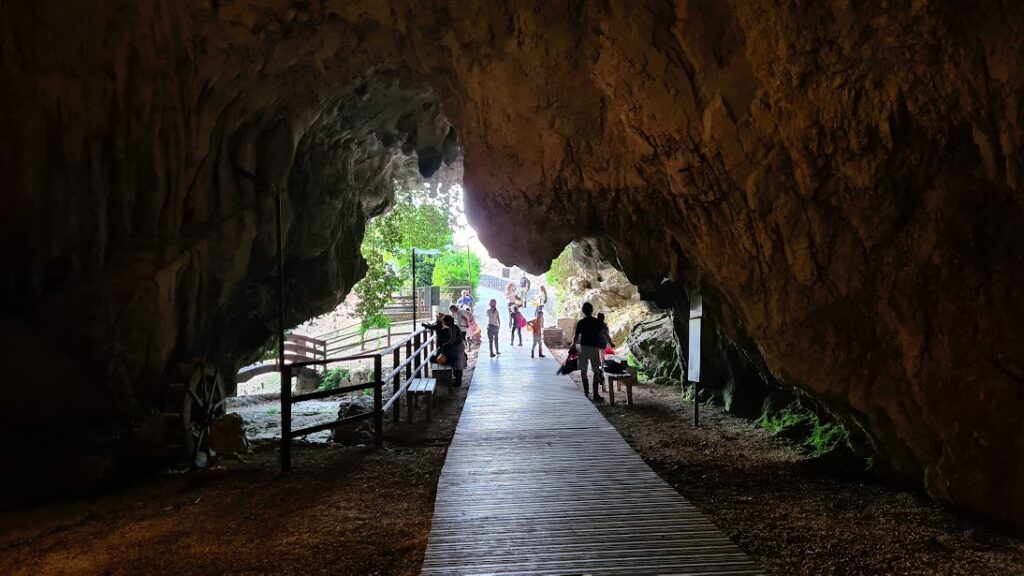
(524,288)
(515,324)
(588,340)
(493,325)
(536,327)
(454,350)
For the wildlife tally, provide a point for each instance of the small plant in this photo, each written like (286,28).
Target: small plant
(819,437)
(333,378)
(273,411)
(632,362)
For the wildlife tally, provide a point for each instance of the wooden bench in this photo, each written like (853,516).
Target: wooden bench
(627,379)
(421,388)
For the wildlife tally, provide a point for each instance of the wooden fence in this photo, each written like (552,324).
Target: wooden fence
(417,348)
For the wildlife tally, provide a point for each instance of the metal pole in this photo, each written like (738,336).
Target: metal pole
(413,290)
(285,372)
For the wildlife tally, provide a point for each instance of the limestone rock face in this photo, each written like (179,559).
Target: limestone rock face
(842,180)
(593,279)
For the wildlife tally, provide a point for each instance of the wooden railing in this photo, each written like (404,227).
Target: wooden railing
(417,347)
(297,348)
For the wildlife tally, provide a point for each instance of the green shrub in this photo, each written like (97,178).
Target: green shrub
(457,268)
(558,275)
(333,378)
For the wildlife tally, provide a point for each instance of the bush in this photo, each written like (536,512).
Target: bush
(457,268)
(333,378)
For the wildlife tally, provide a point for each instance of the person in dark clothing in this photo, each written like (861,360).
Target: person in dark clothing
(606,337)
(454,349)
(438,328)
(589,339)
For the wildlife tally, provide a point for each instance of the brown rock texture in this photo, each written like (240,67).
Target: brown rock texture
(843,180)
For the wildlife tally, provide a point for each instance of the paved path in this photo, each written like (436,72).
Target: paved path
(537,482)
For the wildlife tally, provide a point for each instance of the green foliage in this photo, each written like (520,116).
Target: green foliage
(633,362)
(562,267)
(457,268)
(425,269)
(333,378)
(819,437)
(387,249)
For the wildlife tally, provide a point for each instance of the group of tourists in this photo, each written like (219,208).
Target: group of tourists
(451,344)
(458,331)
(516,299)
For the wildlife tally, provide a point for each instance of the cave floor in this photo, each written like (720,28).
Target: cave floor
(795,515)
(342,510)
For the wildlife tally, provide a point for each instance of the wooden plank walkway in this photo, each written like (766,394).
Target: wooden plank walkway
(536,481)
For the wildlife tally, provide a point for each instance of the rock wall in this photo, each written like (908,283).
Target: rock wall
(843,180)
(593,279)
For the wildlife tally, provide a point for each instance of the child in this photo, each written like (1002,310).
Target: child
(515,326)
(536,327)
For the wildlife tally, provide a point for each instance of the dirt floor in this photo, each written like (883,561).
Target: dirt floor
(342,510)
(792,514)
(359,510)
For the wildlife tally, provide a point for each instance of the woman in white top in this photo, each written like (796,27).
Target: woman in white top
(493,326)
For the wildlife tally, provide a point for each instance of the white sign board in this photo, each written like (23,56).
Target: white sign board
(693,357)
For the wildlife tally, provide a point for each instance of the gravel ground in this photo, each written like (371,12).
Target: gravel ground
(792,514)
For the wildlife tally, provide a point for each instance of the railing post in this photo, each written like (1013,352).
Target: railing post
(396,384)
(389,334)
(416,362)
(378,403)
(408,366)
(286,418)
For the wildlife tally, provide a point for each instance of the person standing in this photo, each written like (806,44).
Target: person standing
(524,288)
(510,294)
(588,340)
(461,319)
(542,298)
(454,350)
(536,327)
(493,325)
(438,328)
(515,326)
(466,300)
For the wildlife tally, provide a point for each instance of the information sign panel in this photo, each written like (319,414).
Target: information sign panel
(693,357)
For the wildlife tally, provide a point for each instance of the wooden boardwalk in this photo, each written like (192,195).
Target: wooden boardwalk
(537,482)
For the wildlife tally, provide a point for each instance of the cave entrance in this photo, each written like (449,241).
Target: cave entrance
(421,257)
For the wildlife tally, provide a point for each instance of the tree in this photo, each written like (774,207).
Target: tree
(387,247)
(457,268)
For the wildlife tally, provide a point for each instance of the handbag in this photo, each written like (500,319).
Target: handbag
(442,359)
